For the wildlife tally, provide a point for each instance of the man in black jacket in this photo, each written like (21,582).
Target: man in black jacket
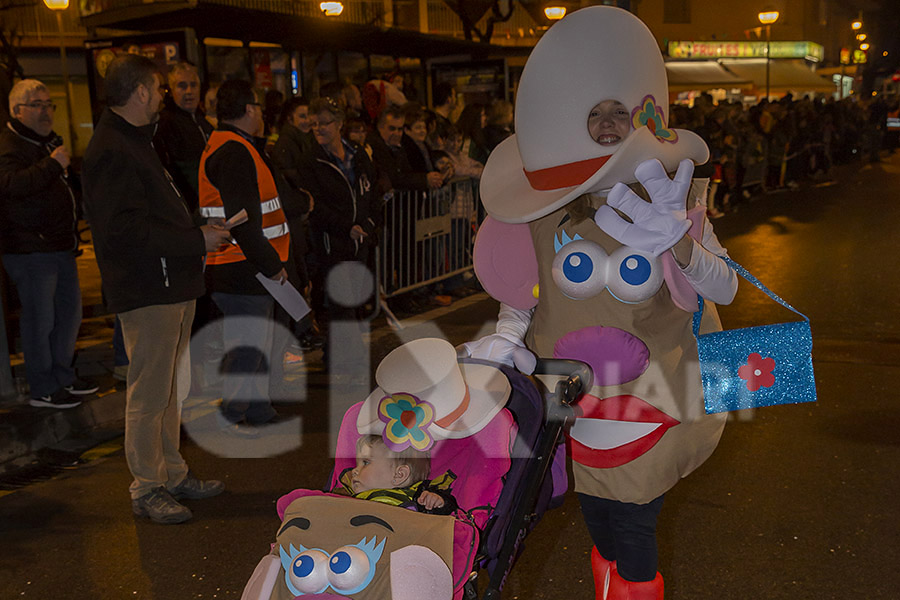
(183,131)
(150,255)
(39,239)
(390,158)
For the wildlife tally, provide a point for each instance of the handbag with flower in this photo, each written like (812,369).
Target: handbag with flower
(756,366)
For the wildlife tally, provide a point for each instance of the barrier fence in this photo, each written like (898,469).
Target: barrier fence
(427,237)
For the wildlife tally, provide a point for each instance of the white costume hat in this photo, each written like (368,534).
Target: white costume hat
(421,386)
(594,54)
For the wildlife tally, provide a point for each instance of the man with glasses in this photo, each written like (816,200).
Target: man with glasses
(38,240)
(150,255)
(183,130)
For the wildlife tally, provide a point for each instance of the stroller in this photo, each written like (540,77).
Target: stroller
(508,475)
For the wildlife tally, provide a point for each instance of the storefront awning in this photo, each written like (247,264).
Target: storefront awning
(706,75)
(784,75)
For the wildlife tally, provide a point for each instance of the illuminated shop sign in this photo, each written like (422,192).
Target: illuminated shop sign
(712,50)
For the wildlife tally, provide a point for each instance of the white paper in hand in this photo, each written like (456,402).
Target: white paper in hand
(286,295)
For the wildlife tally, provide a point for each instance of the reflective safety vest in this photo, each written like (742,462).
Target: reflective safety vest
(274,223)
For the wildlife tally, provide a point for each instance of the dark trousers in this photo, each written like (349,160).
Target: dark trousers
(47,284)
(247,333)
(625,533)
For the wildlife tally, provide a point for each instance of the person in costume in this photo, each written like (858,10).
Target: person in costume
(598,253)
(399,478)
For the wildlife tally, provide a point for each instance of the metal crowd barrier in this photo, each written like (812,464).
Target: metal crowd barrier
(427,238)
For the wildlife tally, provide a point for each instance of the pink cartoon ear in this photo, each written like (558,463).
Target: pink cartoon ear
(506,264)
(683,294)
(418,572)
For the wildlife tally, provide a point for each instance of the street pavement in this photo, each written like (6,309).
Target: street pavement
(798,502)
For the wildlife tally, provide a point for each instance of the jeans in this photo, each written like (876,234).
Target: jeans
(47,283)
(625,533)
(120,355)
(248,351)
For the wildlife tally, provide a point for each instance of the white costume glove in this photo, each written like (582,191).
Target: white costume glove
(505,346)
(656,226)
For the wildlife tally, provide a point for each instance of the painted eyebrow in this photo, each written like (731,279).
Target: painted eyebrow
(563,221)
(361,520)
(295,522)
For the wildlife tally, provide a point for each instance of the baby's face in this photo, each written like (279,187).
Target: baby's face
(374,470)
(609,122)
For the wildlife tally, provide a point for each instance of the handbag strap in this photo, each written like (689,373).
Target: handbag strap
(752,279)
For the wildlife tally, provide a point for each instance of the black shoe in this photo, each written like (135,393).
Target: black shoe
(311,342)
(82,387)
(58,399)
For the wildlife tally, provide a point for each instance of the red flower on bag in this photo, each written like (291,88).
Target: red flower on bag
(758,372)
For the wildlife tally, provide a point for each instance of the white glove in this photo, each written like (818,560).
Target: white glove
(505,346)
(657,225)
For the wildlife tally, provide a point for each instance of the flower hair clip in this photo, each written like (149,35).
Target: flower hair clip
(406,420)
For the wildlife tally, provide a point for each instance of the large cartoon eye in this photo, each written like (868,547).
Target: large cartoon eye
(578,269)
(309,572)
(634,276)
(348,569)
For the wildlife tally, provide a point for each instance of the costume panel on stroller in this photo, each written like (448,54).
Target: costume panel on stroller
(508,473)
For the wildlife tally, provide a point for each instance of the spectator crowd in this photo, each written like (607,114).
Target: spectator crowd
(782,144)
(200,201)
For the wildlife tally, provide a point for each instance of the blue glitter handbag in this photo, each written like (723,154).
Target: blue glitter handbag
(756,366)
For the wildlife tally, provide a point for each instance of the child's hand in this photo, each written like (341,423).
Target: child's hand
(430,500)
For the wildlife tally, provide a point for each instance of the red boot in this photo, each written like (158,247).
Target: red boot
(620,589)
(602,569)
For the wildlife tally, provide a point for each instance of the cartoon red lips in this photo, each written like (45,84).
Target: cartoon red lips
(611,432)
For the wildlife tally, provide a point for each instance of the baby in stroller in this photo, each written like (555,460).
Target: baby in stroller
(471,416)
(399,478)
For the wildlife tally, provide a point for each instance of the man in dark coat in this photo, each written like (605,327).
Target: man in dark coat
(39,240)
(150,255)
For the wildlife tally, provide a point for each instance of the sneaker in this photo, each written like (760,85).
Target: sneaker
(58,399)
(160,507)
(197,489)
(81,387)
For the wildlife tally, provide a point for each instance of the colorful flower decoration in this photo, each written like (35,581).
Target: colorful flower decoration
(758,372)
(650,115)
(406,420)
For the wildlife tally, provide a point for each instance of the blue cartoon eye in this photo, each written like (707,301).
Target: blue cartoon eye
(348,569)
(578,269)
(308,572)
(635,269)
(635,276)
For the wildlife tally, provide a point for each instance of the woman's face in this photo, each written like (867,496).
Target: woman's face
(609,122)
(300,118)
(418,131)
(326,128)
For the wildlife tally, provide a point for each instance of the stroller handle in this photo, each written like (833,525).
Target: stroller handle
(579,376)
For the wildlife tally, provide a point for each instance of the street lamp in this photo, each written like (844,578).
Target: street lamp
(555,13)
(331,9)
(767,17)
(57,6)
(856,25)
(864,46)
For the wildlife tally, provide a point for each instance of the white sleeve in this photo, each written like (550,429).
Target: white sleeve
(707,273)
(513,321)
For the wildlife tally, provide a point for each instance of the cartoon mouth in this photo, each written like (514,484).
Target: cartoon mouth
(611,432)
